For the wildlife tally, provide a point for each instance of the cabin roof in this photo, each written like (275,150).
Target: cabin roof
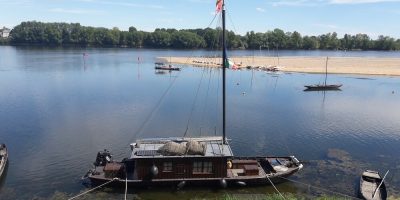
(147,148)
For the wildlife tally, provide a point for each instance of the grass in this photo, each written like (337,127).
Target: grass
(286,196)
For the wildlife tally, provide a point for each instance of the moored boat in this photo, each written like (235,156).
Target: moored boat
(321,87)
(372,186)
(162,66)
(3,158)
(189,161)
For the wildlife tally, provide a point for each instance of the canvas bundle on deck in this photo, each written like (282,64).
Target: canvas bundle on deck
(184,148)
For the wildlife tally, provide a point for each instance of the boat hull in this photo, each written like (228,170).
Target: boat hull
(264,179)
(322,87)
(168,68)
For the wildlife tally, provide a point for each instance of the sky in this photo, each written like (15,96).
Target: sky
(308,17)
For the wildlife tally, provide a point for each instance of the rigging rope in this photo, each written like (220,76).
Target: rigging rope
(140,129)
(83,193)
(206,100)
(126,184)
(194,103)
(192,52)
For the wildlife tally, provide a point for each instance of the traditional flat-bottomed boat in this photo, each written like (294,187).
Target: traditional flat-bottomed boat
(189,161)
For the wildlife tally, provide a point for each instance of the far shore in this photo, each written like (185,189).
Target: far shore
(336,65)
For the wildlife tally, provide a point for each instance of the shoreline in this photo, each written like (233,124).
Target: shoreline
(336,65)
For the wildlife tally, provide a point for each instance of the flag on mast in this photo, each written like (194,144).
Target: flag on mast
(219,6)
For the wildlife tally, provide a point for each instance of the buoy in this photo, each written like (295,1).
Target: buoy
(241,183)
(223,183)
(154,170)
(181,185)
(393,92)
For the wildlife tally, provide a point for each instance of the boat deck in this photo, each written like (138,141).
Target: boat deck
(240,173)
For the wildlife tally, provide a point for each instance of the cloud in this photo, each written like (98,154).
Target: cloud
(295,2)
(75,11)
(260,9)
(360,1)
(124,4)
(200,1)
(324,2)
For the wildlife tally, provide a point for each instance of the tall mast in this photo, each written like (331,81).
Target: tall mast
(224,63)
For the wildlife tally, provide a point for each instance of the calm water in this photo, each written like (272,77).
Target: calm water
(58,109)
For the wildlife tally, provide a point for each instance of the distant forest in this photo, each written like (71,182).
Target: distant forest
(64,34)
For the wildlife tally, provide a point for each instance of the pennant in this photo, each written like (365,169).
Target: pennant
(218,6)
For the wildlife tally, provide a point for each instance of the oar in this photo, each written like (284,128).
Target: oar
(376,190)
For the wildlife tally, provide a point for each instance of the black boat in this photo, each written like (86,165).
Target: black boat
(372,186)
(180,161)
(3,158)
(322,87)
(162,66)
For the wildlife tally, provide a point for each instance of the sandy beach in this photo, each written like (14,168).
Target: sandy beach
(337,65)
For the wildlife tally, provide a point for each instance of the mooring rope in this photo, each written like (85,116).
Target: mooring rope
(126,186)
(95,188)
(275,188)
(320,188)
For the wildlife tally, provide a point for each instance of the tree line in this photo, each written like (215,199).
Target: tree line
(73,34)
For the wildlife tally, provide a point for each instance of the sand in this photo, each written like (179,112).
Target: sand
(337,65)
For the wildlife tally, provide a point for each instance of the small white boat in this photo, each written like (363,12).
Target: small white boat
(372,186)
(3,158)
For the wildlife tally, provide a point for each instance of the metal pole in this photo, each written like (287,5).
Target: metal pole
(224,63)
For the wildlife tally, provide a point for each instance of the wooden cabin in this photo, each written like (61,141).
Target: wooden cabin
(212,163)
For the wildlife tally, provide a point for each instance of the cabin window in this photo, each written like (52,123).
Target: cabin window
(167,167)
(207,167)
(197,167)
(202,167)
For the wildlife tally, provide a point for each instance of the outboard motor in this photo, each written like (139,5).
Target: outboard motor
(103,157)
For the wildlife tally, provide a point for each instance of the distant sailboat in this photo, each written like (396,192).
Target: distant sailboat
(322,87)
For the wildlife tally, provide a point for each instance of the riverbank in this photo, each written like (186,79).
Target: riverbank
(336,65)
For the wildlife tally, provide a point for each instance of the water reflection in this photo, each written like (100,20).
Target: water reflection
(58,110)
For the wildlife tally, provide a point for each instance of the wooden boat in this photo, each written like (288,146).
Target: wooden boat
(372,186)
(162,66)
(3,158)
(322,87)
(180,161)
(214,164)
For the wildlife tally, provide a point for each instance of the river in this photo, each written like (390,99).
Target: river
(59,107)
